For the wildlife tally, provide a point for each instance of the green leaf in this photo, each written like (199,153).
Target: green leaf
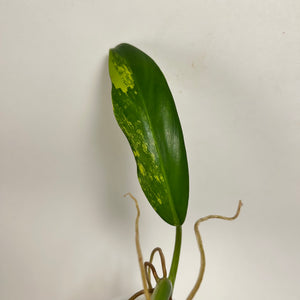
(145,110)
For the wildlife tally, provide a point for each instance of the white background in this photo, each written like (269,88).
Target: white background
(66,232)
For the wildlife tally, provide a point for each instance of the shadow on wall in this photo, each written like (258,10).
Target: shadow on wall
(110,154)
(108,164)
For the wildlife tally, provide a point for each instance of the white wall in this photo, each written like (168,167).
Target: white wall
(66,232)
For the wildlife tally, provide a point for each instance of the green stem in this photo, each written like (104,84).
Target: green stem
(176,254)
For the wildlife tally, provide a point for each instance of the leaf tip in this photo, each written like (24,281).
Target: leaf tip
(119,71)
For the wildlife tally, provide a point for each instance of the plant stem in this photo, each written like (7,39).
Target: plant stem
(176,254)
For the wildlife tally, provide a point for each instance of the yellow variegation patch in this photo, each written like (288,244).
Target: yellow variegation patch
(120,73)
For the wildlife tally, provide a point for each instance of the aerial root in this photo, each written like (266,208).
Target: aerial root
(139,251)
(162,260)
(139,293)
(147,267)
(201,249)
(150,267)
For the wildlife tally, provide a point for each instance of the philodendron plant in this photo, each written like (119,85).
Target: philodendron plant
(145,110)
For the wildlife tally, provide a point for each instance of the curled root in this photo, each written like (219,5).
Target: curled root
(152,268)
(139,293)
(201,249)
(162,260)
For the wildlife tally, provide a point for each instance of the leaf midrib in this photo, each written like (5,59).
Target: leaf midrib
(174,213)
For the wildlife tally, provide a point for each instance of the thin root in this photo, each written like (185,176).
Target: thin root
(138,248)
(162,260)
(139,293)
(151,267)
(200,245)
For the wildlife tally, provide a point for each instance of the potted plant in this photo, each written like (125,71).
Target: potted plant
(145,110)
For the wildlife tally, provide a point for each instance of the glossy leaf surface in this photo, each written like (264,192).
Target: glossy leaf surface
(145,110)
(163,290)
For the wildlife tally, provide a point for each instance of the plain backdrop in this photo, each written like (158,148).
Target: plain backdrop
(66,232)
